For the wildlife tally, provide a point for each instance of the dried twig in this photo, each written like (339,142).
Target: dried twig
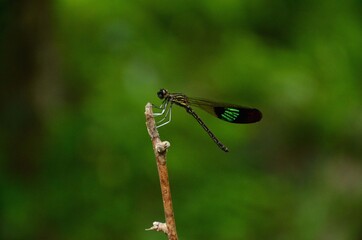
(160,150)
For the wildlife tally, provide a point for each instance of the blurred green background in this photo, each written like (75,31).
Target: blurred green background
(76,159)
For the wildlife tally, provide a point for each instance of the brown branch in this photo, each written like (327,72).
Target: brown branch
(160,150)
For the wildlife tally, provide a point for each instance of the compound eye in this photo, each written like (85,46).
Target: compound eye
(161,93)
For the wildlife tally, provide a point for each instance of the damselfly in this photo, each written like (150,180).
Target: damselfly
(228,112)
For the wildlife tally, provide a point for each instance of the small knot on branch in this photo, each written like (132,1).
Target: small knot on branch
(158,226)
(162,146)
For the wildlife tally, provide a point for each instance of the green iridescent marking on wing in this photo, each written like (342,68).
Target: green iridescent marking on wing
(227,118)
(230,114)
(233,109)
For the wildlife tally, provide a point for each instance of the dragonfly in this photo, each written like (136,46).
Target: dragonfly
(231,113)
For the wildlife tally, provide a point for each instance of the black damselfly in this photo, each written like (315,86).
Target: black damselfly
(228,112)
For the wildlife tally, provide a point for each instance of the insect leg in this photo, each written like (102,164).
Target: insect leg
(168,113)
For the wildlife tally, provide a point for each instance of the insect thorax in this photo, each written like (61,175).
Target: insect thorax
(180,100)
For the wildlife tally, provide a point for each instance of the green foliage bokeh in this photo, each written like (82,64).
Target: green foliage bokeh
(295,175)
